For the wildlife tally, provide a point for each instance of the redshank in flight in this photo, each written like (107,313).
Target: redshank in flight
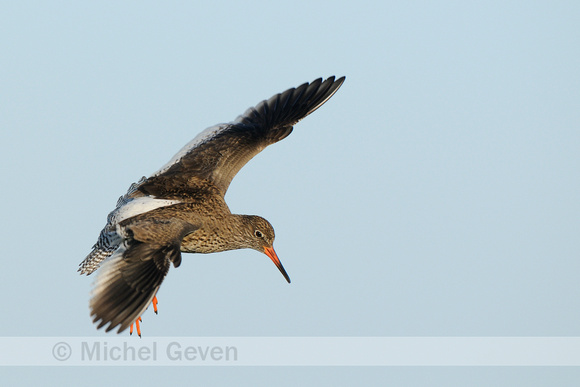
(181,208)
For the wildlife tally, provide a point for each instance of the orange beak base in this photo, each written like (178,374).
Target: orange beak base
(269,251)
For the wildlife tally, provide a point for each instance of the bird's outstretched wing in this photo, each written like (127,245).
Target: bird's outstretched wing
(130,278)
(219,152)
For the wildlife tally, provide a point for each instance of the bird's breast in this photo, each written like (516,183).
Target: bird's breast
(203,241)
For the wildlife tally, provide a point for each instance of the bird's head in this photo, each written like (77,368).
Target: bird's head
(259,235)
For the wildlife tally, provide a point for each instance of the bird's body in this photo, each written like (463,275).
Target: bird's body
(181,207)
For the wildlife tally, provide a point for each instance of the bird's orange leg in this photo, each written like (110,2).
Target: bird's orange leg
(139,320)
(155,304)
(138,327)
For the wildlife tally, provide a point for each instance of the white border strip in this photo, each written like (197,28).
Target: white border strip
(290,351)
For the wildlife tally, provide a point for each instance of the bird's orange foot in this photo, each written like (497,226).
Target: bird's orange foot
(139,320)
(138,327)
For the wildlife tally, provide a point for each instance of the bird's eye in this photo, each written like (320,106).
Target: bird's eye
(258,233)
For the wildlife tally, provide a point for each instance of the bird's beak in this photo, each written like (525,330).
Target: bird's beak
(272,254)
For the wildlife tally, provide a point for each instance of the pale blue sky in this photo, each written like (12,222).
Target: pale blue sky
(436,194)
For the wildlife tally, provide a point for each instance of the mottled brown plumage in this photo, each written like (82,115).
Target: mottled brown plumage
(181,208)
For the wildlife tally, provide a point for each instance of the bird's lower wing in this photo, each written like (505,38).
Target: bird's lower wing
(127,282)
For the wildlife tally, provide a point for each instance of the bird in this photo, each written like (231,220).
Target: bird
(181,208)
